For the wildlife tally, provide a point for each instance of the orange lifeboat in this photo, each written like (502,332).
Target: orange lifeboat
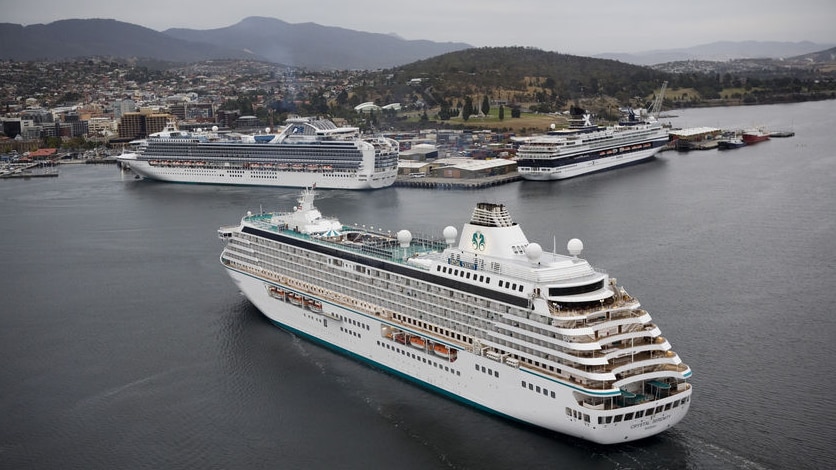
(441,350)
(417,342)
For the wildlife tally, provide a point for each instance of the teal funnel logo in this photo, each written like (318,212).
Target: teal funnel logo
(478,241)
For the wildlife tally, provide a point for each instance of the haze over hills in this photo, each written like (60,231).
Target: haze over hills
(67,39)
(314,46)
(306,45)
(720,51)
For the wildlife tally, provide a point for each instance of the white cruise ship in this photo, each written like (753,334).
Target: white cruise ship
(307,151)
(485,317)
(585,148)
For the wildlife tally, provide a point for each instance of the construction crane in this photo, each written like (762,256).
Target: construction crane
(657,103)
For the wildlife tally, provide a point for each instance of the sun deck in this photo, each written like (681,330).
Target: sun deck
(379,244)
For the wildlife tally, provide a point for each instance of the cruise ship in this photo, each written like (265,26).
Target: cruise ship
(586,148)
(307,151)
(483,316)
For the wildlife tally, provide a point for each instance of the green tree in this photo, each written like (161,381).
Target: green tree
(501,112)
(486,105)
(467,110)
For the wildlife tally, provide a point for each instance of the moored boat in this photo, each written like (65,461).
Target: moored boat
(308,151)
(587,148)
(753,136)
(727,144)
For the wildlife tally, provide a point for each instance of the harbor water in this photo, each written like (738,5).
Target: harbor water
(125,345)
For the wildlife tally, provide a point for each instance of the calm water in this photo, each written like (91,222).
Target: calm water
(125,345)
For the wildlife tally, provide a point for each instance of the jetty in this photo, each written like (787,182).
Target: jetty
(457,183)
(24,170)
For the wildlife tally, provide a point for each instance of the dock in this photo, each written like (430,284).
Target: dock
(25,170)
(457,183)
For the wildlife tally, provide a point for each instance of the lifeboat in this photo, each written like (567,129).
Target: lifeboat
(276,293)
(417,342)
(295,299)
(313,305)
(441,350)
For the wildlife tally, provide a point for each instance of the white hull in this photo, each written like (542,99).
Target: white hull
(476,380)
(251,177)
(600,164)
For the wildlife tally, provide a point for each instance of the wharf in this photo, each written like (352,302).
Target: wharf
(25,170)
(28,174)
(456,183)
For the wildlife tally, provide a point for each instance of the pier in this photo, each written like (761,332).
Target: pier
(25,170)
(457,183)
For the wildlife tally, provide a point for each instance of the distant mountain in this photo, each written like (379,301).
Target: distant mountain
(67,39)
(314,46)
(821,57)
(720,51)
(305,45)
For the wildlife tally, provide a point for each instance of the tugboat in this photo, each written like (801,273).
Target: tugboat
(732,143)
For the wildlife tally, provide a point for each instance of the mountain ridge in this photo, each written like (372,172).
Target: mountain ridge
(291,44)
(306,45)
(719,51)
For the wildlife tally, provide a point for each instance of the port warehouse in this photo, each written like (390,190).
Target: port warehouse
(456,167)
(695,134)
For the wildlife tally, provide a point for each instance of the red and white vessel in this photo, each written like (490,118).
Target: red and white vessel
(753,136)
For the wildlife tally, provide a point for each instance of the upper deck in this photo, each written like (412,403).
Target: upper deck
(422,252)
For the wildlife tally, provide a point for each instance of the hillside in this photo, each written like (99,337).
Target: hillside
(312,46)
(305,45)
(720,51)
(514,75)
(69,39)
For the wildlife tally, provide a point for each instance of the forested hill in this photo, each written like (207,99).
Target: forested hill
(482,70)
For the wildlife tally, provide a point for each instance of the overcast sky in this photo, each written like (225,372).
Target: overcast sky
(584,27)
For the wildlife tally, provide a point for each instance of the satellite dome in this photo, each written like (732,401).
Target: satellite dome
(214,128)
(450,233)
(533,252)
(404,238)
(575,247)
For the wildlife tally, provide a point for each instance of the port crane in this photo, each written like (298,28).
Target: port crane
(656,109)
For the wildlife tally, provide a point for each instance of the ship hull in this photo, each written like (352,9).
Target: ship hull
(755,138)
(250,177)
(591,166)
(475,380)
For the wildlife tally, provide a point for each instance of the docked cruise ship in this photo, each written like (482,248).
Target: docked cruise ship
(485,317)
(586,148)
(307,151)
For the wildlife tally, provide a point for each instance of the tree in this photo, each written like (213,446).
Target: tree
(501,112)
(486,105)
(467,110)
